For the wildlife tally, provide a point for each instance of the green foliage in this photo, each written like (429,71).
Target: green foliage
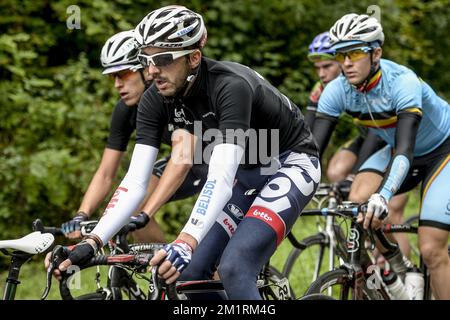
(55,105)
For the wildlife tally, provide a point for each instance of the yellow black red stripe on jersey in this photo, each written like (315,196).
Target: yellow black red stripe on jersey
(372,82)
(382,120)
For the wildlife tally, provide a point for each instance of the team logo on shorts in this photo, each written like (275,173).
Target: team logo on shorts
(236,211)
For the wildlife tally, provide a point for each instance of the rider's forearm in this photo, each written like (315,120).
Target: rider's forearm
(216,191)
(310,114)
(129,194)
(170,181)
(322,129)
(102,181)
(405,139)
(97,191)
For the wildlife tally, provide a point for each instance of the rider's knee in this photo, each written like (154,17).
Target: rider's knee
(334,174)
(226,270)
(357,196)
(397,205)
(433,255)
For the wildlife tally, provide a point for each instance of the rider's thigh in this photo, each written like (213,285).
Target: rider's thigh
(340,165)
(364,185)
(397,207)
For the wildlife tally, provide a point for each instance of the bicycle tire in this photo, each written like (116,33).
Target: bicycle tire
(92,296)
(413,220)
(342,285)
(316,296)
(329,279)
(66,294)
(316,239)
(103,294)
(300,274)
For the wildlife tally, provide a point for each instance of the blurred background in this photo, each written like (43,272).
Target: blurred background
(55,105)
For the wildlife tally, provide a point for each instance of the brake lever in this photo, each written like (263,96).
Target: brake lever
(86,227)
(155,288)
(363,210)
(372,239)
(55,260)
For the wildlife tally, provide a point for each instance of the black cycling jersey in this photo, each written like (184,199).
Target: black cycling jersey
(123,123)
(226,95)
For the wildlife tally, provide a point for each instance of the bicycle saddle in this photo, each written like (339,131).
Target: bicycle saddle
(32,243)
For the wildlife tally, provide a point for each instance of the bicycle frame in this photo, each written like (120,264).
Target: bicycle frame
(359,263)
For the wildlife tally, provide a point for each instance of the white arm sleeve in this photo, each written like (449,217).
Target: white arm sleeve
(129,194)
(216,191)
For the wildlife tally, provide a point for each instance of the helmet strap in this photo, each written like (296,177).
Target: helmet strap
(190,80)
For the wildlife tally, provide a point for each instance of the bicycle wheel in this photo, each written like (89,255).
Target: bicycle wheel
(338,280)
(66,294)
(317,296)
(341,285)
(101,295)
(413,220)
(275,286)
(303,266)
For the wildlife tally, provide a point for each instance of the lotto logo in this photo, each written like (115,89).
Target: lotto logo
(115,198)
(228,225)
(271,218)
(262,214)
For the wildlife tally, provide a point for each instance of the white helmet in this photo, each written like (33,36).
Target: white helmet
(171,27)
(353,29)
(120,53)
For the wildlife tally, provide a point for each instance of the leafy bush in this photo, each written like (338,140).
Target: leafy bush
(55,105)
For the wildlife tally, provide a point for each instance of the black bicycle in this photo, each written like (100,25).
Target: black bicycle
(271,284)
(359,278)
(123,271)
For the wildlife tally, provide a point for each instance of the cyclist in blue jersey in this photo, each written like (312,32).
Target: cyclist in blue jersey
(398,106)
(245,209)
(344,164)
(119,58)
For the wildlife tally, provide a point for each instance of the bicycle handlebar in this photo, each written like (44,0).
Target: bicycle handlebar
(39,226)
(137,260)
(60,253)
(351,210)
(86,228)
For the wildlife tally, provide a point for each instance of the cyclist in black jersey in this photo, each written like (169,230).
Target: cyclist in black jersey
(226,109)
(119,58)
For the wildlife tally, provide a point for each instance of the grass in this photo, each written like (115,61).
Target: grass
(33,273)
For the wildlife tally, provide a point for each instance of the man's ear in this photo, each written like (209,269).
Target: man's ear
(377,53)
(195,58)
